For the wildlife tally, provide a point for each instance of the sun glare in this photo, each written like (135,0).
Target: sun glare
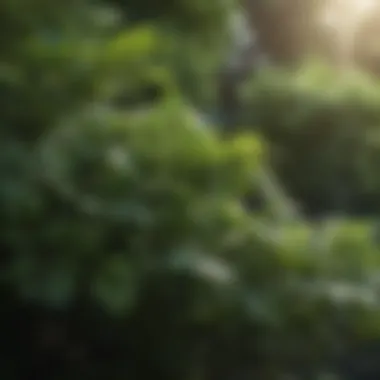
(346,12)
(342,19)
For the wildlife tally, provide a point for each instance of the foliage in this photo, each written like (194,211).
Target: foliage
(126,249)
(322,127)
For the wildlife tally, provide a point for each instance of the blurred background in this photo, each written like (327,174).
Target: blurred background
(188,189)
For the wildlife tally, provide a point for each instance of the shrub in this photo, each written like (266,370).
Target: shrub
(321,126)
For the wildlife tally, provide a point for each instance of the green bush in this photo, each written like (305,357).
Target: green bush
(322,128)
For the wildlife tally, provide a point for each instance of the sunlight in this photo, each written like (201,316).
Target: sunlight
(342,20)
(346,12)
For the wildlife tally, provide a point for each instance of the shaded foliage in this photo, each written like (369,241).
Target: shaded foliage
(322,127)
